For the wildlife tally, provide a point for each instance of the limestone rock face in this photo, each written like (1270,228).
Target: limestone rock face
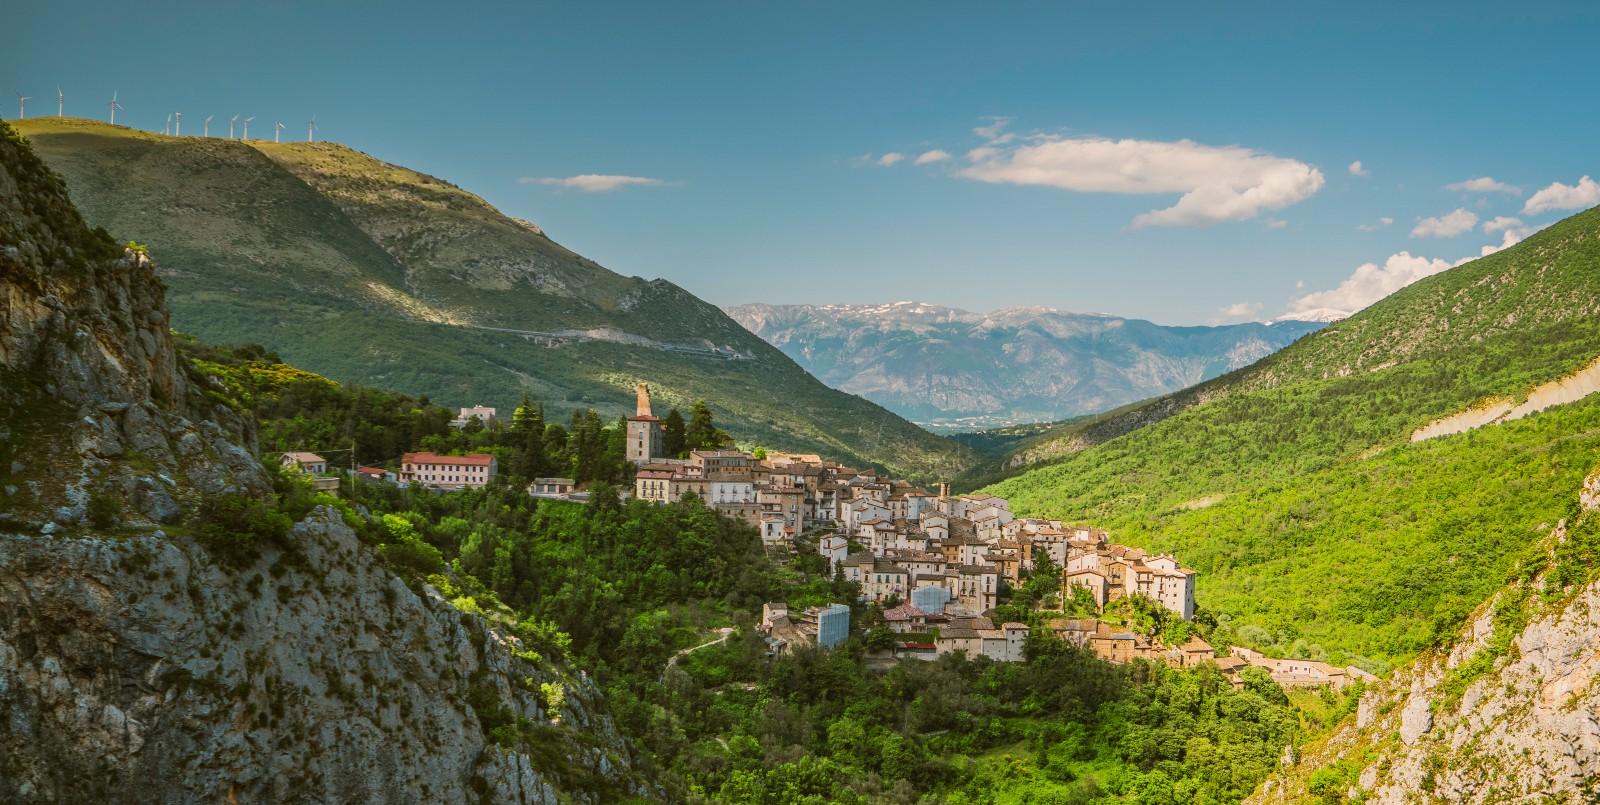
(135,666)
(139,670)
(1473,724)
(92,400)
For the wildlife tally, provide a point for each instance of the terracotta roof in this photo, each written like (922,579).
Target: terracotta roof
(904,612)
(471,459)
(305,458)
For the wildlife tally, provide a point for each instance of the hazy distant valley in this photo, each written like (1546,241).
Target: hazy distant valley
(951,369)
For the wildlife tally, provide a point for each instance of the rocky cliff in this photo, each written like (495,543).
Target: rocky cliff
(93,405)
(138,665)
(1509,711)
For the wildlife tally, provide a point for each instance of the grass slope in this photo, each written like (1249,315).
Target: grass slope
(370,273)
(1292,485)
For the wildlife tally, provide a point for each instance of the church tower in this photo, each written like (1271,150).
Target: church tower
(644,430)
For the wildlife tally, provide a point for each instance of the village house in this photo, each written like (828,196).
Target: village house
(470,471)
(1299,673)
(375,474)
(552,487)
(906,619)
(309,463)
(483,413)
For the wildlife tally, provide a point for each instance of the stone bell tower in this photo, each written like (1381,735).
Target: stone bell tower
(644,430)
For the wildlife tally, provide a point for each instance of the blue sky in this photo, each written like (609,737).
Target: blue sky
(1185,163)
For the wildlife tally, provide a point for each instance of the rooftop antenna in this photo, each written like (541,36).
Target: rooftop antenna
(206,127)
(178,132)
(311,129)
(247,126)
(61,100)
(22,102)
(230,126)
(114,107)
(277,130)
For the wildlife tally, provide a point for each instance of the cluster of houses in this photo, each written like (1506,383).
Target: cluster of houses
(936,562)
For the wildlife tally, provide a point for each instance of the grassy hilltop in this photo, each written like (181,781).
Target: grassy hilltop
(370,273)
(1293,487)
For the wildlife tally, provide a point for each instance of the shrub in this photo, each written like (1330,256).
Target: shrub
(233,524)
(104,511)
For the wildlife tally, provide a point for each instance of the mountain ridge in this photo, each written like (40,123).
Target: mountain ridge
(369,272)
(945,366)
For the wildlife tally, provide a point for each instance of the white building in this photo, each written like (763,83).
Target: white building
(471,471)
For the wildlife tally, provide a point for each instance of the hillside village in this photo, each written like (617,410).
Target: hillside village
(934,565)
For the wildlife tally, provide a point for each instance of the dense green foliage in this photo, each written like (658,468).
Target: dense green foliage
(1062,727)
(369,273)
(298,410)
(1293,488)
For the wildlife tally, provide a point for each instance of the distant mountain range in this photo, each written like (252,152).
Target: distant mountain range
(953,369)
(370,273)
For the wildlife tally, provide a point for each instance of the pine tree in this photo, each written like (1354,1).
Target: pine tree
(673,437)
(701,433)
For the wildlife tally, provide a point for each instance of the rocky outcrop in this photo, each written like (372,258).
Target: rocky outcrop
(93,403)
(138,666)
(1509,712)
(1565,390)
(139,670)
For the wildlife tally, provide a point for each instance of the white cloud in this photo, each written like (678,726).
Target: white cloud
(1503,222)
(1484,184)
(1564,197)
(996,132)
(1356,169)
(1382,222)
(1372,282)
(1228,183)
(1445,226)
(930,157)
(1238,311)
(890,158)
(1276,223)
(593,182)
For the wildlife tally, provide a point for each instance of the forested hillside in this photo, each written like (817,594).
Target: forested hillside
(1292,486)
(371,273)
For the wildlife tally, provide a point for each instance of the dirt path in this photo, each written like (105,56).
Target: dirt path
(725,632)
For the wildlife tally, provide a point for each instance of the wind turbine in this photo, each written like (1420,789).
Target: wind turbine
(61,100)
(277,130)
(168,129)
(114,107)
(311,129)
(207,126)
(22,101)
(247,126)
(230,126)
(178,132)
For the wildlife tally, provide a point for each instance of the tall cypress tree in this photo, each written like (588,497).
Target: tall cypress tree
(673,439)
(701,434)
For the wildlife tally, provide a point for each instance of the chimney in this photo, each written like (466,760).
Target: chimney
(644,399)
